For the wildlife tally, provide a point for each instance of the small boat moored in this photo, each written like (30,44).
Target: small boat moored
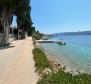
(62,43)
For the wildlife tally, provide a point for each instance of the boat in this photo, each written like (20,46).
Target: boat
(45,38)
(61,42)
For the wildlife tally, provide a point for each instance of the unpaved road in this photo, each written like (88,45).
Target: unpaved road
(16,63)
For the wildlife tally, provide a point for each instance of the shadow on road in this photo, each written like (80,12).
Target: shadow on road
(6,47)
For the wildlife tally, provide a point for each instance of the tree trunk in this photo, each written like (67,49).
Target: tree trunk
(17,32)
(25,34)
(18,27)
(6,16)
(5,40)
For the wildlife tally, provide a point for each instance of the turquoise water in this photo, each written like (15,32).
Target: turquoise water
(75,56)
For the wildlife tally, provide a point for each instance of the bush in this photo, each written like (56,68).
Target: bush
(41,61)
(59,77)
(37,35)
(62,77)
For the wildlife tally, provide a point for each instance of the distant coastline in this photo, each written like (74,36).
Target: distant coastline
(74,33)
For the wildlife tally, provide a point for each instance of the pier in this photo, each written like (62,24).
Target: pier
(50,41)
(45,41)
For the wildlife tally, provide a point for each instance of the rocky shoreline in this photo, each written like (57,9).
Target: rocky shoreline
(56,65)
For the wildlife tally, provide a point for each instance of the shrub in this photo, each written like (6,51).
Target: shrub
(41,61)
(62,77)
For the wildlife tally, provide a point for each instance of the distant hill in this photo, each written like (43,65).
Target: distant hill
(74,33)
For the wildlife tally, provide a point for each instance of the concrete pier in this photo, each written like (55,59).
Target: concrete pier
(50,41)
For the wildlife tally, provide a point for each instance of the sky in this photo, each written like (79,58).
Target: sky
(14,24)
(54,16)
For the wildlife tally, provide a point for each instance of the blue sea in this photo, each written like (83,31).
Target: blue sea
(75,55)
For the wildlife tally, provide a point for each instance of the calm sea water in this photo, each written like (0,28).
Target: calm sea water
(75,55)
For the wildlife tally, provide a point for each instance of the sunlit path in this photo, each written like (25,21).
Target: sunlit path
(16,63)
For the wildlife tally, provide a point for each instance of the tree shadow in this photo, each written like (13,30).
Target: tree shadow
(6,47)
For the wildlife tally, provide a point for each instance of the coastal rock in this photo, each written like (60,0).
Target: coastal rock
(47,71)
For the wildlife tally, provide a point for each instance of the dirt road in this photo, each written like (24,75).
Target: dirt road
(16,63)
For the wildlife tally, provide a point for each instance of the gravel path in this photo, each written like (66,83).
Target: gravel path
(16,63)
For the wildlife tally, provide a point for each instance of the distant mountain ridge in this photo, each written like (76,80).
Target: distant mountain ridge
(75,33)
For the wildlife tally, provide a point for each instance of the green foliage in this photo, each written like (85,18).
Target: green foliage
(9,4)
(41,61)
(31,30)
(59,77)
(62,77)
(37,35)
(21,9)
(22,12)
(7,8)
